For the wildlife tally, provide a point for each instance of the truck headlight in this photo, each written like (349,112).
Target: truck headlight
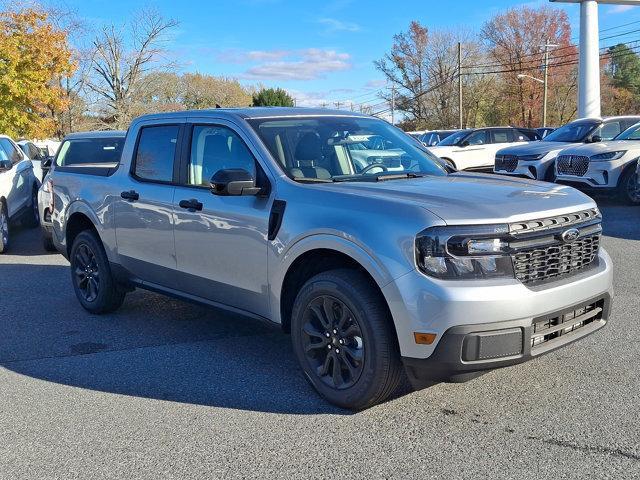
(464,252)
(600,157)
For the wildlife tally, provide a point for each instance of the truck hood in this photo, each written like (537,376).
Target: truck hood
(535,148)
(589,149)
(470,198)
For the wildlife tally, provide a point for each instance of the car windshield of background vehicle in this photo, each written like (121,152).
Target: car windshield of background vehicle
(572,132)
(90,150)
(325,148)
(454,139)
(631,133)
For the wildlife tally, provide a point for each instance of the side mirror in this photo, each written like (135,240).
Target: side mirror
(233,182)
(596,138)
(464,143)
(46,162)
(5,165)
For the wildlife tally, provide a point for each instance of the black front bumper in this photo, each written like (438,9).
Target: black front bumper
(467,351)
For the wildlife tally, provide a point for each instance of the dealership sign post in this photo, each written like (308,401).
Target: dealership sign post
(589,68)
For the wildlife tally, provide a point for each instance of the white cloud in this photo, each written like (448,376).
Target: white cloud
(621,8)
(243,56)
(333,25)
(308,64)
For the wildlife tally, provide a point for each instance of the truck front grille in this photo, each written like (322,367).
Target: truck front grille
(554,328)
(543,263)
(575,165)
(507,163)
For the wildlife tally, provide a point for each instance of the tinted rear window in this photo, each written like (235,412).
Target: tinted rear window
(89,150)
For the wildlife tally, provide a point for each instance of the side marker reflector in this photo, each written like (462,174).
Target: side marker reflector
(424,338)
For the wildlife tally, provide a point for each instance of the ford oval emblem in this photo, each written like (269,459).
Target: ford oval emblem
(570,235)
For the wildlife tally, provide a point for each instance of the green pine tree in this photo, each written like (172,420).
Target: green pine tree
(273,97)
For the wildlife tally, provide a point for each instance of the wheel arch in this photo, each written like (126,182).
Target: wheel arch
(317,256)
(76,223)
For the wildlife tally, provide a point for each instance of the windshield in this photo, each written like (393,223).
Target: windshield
(631,133)
(335,148)
(90,150)
(455,138)
(575,132)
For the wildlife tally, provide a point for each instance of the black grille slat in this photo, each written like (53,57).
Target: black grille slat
(507,163)
(576,165)
(542,263)
(530,226)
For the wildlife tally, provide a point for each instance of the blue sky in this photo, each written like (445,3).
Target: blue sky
(321,51)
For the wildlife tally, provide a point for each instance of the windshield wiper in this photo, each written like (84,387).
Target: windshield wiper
(376,178)
(313,180)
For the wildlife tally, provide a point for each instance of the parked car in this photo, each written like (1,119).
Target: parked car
(536,160)
(36,155)
(604,166)
(18,190)
(416,134)
(544,131)
(475,148)
(433,137)
(375,274)
(86,149)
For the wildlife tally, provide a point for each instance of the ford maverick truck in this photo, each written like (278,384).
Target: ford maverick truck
(382,267)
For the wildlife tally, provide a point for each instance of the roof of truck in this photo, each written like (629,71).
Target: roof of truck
(96,134)
(254,112)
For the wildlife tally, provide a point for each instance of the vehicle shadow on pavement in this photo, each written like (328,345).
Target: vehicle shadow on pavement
(619,220)
(25,241)
(153,347)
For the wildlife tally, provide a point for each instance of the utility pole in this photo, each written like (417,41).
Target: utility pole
(337,104)
(546,81)
(460,85)
(393,105)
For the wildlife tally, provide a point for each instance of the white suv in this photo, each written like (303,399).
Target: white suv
(475,148)
(18,189)
(604,165)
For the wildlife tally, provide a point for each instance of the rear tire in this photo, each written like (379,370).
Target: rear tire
(628,187)
(344,340)
(4,227)
(31,217)
(47,241)
(91,275)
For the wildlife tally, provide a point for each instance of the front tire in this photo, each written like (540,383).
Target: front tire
(47,241)
(4,228)
(91,275)
(344,340)
(628,186)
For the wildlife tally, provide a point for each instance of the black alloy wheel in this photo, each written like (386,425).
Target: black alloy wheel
(333,342)
(4,228)
(87,272)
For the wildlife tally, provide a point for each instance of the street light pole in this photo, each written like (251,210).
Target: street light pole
(546,78)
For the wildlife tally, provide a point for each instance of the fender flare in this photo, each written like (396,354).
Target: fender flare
(325,241)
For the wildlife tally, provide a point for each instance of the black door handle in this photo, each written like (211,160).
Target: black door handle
(192,204)
(131,195)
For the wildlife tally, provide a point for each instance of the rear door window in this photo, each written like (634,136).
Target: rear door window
(155,153)
(502,135)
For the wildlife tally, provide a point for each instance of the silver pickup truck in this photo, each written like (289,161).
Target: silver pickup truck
(381,271)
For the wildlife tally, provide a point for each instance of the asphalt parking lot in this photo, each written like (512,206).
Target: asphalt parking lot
(165,389)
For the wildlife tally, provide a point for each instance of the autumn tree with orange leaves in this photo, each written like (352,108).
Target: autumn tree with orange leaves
(516,42)
(33,56)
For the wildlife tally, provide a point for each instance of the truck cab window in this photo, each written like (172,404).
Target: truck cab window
(156,152)
(14,154)
(214,148)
